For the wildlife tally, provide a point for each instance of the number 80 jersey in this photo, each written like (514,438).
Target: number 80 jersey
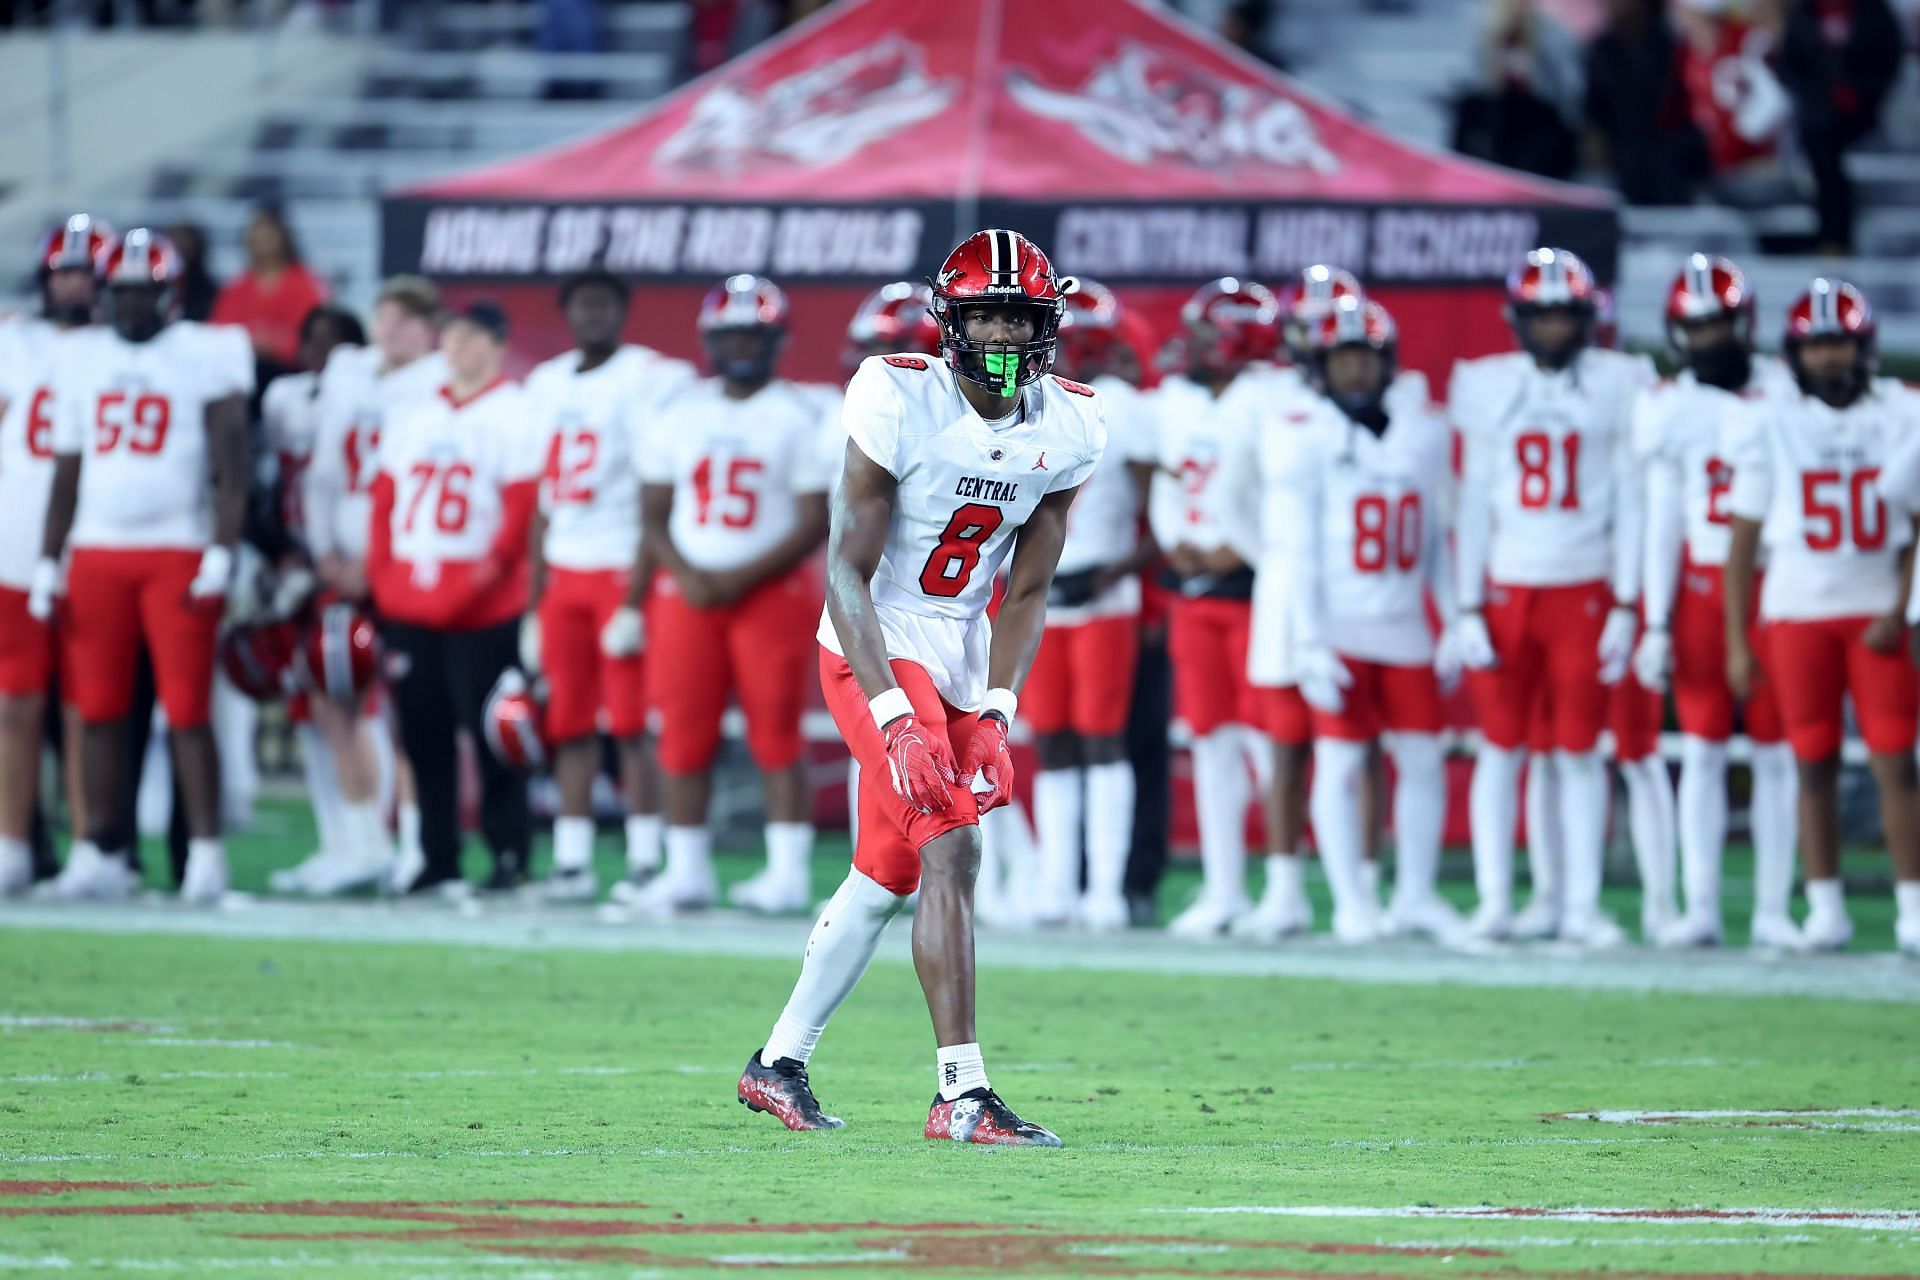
(964,487)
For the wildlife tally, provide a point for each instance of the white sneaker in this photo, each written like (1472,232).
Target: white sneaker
(1207,918)
(1537,920)
(576,885)
(1596,932)
(91,876)
(1104,913)
(1690,931)
(668,894)
(1431,916)
(1658,921)
(16,871)
(1826,932)
(1776,931)
(1489,923)
(327,874)
(1360,925)
(1052,913)
(407,867)
(772,895)
(205,881)
(628,891)
(1906,935)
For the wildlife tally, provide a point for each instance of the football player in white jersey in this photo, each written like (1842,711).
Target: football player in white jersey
(1549,563)
(949,468)
(1806,472)
(1363,474)
(585,631)
(1676,424)
(735,501)
(145,411)
(1081,686)
(70,255)
(360,388)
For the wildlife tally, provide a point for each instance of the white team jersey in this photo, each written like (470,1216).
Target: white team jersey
(356,400)
(1104,523)
(26,444)
(737,468)
(1810,474)
(289,409)
(1551,456)
(136,413)
(964,488)
(594,425)
(1208,450)
(449,465)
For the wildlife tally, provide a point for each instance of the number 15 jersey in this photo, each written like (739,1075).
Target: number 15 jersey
(964,487)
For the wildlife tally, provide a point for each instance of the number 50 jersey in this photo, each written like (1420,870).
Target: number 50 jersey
(964,487)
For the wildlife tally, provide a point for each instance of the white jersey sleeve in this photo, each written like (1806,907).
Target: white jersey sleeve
(871,412)
(26,444)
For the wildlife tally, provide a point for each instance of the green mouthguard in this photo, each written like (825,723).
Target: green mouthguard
(1005,367)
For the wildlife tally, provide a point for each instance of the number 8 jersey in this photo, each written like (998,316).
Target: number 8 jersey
(965,486)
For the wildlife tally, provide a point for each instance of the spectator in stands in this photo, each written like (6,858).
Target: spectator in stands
(198,288)
(710,32)
(1526,107)
(272,296)
(1734,97)
(1636,106)
(1838,59)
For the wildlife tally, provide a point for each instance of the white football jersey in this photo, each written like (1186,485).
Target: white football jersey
(136,413)
(1104,523)
(965,486)
(289,408)
(26,444)
(356,399)
(1208,450)
(1810,474)
(737,468)
(449,465)
(1549,457)
(595,425)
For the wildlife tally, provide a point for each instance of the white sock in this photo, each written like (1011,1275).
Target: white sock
(1775,822)
(1109,827)
(853,800)
(1546,854)
(1826,897)
(689,852)
(1370,880)
(323,790)
(790,850)
(1335,807)
(959,1068)
(1419,815)
(1650,821)
(206,847)
(1257,749)
(1491,802)
(365,833)
(1583,829)
(643,841)
(1702,813)
(838,952)
(1058,799)
(1286,878)
(1221,791)
(410,831)
(1007,846)
(572,844)
(1906,898)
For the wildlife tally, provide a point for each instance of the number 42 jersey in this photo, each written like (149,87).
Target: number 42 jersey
(965,486)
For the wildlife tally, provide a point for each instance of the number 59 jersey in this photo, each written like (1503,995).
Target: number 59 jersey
(965,486)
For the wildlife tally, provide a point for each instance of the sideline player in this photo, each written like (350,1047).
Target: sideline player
(146,410)
(585,630)
(1710,323)
(734,502)
(947,471)
(1549,573)
(1805,478)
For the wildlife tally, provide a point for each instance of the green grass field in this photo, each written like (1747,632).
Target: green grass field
(270,1106)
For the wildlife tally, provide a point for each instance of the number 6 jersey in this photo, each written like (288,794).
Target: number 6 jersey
(964,487)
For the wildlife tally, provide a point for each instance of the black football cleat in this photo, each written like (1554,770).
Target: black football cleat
(979,1116)
(782,1091)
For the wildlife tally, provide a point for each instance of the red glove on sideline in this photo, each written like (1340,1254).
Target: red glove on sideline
(987,756)
(921,772)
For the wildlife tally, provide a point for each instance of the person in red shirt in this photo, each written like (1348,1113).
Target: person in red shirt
(272,297)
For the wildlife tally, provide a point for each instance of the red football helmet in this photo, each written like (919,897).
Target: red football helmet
(1230,323)
(1552,280)
(1833,309)
(1089,327)
(259,659)
(141,257)
(1712,292)
(743,323)
(340,654)
(515,721)
(1353,321)
(991,268)
(895,318)
(1309,298)
(81,243)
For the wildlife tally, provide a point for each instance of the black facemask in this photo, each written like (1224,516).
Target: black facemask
(1727,365)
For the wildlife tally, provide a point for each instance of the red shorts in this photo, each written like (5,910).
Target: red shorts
(117,599)
(26,647)
(1283,715)
(586,690)
(1634,714)
(1816,664)
(1082,678)
(1383,699)
(1702,702)
(1207,640)
(891,831)
(1546,639)
(755,649)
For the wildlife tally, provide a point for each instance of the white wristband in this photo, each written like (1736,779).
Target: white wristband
(890,706)
(1002,702)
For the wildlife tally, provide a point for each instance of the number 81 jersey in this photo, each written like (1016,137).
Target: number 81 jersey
(965,487)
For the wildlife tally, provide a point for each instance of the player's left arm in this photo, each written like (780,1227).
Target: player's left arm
(230,451)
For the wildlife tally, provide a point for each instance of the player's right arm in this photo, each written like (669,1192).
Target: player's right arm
(1744,444)
(69,440)
(1473,516)
(862,517)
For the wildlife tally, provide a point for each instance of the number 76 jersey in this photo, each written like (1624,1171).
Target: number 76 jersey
(964,488)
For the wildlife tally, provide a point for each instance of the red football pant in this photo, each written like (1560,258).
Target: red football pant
(1082,678)
(1383,699)
(586,690)
(1634,714)
(1702,701)
(892,832)
(26,647)
(755,649)
(1816,664)
(1545,638)
(1207,640)
(116,599)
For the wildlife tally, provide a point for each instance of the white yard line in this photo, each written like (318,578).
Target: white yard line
(1851,1219)
(1845,1119)
(1878,978)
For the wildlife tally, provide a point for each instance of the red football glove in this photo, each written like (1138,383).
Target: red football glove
(919,765)
(987,756)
